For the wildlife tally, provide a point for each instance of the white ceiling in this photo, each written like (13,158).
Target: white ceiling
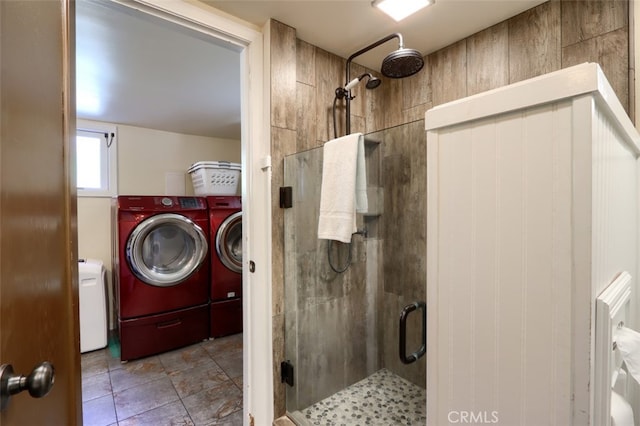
(344,27)
(134,69)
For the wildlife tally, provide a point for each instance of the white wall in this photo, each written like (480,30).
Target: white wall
(144,156)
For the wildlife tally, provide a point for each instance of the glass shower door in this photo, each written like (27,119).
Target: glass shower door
(343,330)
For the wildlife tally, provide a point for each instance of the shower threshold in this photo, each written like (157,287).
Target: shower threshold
(381,399)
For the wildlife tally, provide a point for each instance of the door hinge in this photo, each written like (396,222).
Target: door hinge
(286,197)
(286,372)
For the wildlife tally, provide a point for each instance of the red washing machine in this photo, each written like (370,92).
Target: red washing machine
(225,221)
(161,255)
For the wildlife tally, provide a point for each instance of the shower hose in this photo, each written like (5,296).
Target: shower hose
(334,268)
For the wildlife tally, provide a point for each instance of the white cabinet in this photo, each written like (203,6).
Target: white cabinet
(532,212)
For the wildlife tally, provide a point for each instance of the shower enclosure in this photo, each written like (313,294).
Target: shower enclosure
(343,335)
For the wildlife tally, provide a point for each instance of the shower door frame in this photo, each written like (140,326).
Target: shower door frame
(312,290)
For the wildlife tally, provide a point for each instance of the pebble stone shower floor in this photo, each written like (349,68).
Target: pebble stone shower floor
(381,399)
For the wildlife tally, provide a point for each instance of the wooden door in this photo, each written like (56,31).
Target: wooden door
(38,253)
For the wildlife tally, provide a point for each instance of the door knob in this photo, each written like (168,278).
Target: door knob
(38,383)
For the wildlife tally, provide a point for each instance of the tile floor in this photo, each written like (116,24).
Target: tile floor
(196,385)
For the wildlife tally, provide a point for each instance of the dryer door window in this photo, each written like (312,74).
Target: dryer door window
(229,242)
(166,249)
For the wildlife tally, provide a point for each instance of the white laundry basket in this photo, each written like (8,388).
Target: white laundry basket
(215,177)
(93,305)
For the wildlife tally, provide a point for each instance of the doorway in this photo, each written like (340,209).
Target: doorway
(248,43)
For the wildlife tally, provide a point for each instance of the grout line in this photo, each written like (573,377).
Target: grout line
(219,354)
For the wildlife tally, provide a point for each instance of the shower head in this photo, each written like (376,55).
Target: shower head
(398,64)
(372,82)
(402,63)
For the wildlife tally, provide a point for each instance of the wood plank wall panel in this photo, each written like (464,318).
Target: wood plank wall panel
(306,116)
(325,312)
(393,103)
(534,42)
(307,121)
(279,390)
(283,138)
(611,52)
(283,76)
(358,124)
(416,90)
(416,94)
(283,142)
(329,76)
(416,113)
(402,233)
(376,107)
(317,75)
(598,31)
(449,73)
(359,93)
(582,20)
(327,79)
(305,63)
(488,59)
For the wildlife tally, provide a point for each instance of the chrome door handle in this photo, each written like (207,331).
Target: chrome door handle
(38,383)
(403,333)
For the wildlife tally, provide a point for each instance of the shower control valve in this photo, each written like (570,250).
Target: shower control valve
(341,92)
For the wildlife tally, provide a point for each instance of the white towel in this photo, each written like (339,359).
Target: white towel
(344,187)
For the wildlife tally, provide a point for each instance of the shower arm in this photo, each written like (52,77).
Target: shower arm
(347,93)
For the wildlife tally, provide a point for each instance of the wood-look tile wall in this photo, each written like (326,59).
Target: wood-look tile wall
(283,142)
(553,35)
(326,313)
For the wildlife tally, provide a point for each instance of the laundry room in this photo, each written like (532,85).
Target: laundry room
(164,138)
(148,160)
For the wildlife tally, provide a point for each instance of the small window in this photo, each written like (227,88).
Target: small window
(96,160)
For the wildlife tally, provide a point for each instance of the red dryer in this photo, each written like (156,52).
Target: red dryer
(225,222)
(161,259)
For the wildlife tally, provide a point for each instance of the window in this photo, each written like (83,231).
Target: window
(96,160)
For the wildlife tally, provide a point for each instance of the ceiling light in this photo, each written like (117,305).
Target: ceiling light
(400,9)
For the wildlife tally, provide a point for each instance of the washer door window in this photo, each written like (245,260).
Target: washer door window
(166,249)
(229,242)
